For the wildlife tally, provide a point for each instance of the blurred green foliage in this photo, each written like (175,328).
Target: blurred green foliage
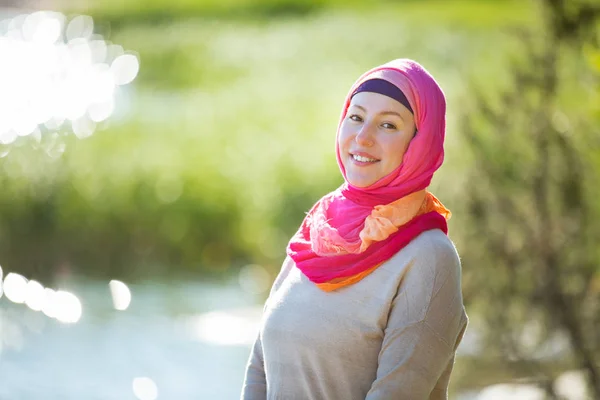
(531,213)
(227,136)
(464,12)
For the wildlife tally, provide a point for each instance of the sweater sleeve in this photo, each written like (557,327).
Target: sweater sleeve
(255,384)
(425,324)
(255,381)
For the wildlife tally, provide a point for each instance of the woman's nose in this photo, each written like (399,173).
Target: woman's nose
(364,137)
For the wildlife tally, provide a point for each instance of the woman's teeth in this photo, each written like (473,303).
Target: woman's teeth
(363,159)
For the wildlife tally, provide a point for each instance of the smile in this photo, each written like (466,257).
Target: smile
(363,159)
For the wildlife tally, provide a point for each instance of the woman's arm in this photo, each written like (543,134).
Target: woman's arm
(425,325)
(255,384)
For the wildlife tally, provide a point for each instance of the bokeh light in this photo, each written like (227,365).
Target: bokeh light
(1,276)
(504,391)
(35,295)
(61,305)
(80,26)
(121,295)
(67,307)
(571,385)
(49,307)
(144,388)
(51,73)
(227,328)
(125,68)
(15,287)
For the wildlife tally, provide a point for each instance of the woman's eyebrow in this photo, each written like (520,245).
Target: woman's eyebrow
(357,106)
(391,113)
(381,113)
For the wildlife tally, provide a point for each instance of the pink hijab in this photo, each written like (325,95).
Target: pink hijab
(324,246)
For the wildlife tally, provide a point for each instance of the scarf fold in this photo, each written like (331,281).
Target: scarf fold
(331,262)
(351,231)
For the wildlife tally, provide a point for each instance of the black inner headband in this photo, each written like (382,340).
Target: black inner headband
(385,88)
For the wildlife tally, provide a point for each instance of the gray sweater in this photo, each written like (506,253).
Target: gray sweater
(393,335)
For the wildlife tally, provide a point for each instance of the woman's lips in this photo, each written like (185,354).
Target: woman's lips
(363,159)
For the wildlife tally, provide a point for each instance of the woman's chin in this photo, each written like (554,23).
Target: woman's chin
(360,183)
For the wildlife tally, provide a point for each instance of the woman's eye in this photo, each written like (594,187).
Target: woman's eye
(355,118)
(387,125)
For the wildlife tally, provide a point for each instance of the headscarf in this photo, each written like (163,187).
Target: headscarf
(351,231)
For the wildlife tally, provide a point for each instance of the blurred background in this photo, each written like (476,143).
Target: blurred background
(157,155)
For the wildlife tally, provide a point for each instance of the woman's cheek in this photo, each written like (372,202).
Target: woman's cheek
(343,137)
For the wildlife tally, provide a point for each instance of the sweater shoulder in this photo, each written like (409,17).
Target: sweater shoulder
(435,241)
(430,251)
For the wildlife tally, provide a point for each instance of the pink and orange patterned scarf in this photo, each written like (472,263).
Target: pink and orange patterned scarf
(351,231)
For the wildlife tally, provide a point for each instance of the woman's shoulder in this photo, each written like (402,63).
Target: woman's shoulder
(434,241)
(432,249)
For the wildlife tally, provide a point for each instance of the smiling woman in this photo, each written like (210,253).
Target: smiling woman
(368,303)
(375,133)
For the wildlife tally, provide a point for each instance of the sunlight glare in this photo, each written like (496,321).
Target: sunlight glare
(35,295)
(80,26)
(16,24)
(144,388)
(83,127)
(8,137)
(42,27)
(113,51)
(47,77)
(571,385)
(236,327)
(81,53)
(15,287)
(125,68)
(121,295)
(102,85)
(37,135)
(67,307)
(503,391)
(54,123)
(98,112)
(48,307)
(99,50)
(1,290)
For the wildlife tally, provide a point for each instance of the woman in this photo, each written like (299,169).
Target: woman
(368,303)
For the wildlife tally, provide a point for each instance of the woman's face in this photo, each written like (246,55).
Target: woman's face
(374,137)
